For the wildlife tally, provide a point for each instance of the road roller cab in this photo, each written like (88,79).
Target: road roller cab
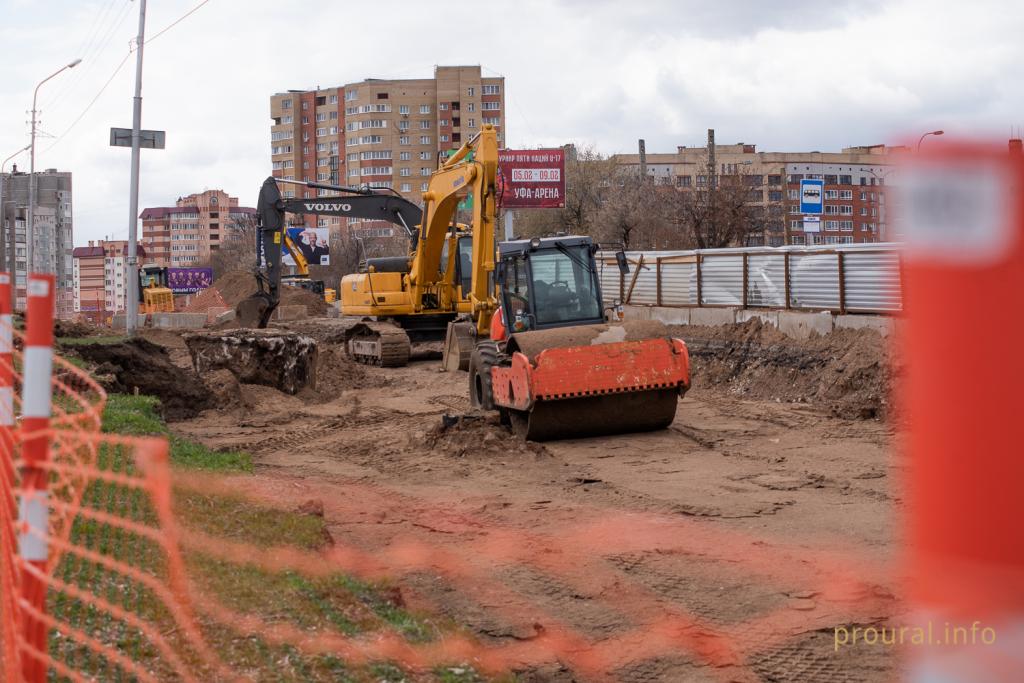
(561,370)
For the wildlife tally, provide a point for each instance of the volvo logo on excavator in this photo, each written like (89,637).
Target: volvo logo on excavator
(335,206)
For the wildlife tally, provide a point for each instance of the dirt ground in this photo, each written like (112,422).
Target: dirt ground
(761,519)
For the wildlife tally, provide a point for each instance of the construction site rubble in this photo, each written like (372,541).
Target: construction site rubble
(284,360)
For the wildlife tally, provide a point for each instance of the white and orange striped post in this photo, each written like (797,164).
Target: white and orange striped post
(33,511)
(8,582)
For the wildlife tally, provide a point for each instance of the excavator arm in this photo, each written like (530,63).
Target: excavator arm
(473,168)
(256,310)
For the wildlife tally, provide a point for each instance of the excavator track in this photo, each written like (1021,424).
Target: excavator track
(381,344)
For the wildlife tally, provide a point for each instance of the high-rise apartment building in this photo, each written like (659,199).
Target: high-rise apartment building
(101,278)
(184,235)
(379,133)
(855,187)
(53,238)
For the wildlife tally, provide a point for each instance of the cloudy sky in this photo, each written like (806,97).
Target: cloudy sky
(787,75)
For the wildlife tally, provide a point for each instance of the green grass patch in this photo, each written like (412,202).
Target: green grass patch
(87,341)
(337,602)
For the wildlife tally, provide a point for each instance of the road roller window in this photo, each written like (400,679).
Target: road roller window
(564,285)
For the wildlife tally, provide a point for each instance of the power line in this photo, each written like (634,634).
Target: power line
(117,70)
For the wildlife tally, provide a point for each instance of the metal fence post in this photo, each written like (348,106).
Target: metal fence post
(842,283)
(745,280)
(699,293)
(657,275)
(785,276)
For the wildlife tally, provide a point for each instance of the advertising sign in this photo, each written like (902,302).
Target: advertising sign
(314,243)
(812,224)
(531,178)
(812,196)
(189,280)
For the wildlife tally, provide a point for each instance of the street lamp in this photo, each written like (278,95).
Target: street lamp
(30,232)
(931,132)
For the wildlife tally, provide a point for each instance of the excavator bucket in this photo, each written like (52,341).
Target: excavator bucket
(591,380)
(254,311)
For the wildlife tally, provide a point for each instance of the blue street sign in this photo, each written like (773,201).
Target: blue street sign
(812,195)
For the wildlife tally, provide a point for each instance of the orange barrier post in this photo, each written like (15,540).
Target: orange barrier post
(8,504)
(33,512)
(963,217)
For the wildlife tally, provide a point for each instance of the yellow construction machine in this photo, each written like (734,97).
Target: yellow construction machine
(527,315)
(155,296)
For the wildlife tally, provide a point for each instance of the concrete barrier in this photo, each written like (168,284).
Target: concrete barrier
(179,321)
(291,312)
(119,320)
(797,324)
(884,325)
(712,316)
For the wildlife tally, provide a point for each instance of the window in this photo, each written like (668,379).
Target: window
(334,116)
(845,210)
(424,139)
(425,156)
(323,162)
(831,194)
(286,119)
(845,180)
(794,208)
(323,176)
(775,195)
(795,177)
(424,125)
(349,111)
(382,96)
(863,211)
(403,109)
(333,99)
(320,132)
(775,180)
(832,225)
(846,226)
(305,106)
(443,106)
(403,125)
(406,187)
(278,135)
(376,154)
(831,210)
(354,156)
(376,170)
(404,156)
(471,107)
(846,194)
(286,104)
(403,140)
(321,117)
(831,180)
(321,146)
(491,106)
(471,92)
(444,138)
(351,95)
(424,108)
(863,196)
(793,194)
(490,90)
(492,120)
(444,123)
(423,187)
(424,171)
(405,172)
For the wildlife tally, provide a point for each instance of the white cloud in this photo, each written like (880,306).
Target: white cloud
(786,75)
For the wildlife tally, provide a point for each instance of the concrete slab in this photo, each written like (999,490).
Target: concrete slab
(883,324)
(670,315)
(179,321)
(291,312)
(634,312)
(766,316)
(118,320)
(225,317)
(801,324)
(215,312)
(712,316)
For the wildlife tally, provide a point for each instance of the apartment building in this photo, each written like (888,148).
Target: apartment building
(101,278)
(855,187)
(379,133)
(184,235)
(53,236)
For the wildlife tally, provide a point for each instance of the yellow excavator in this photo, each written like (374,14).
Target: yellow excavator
(155,295)
(527,314)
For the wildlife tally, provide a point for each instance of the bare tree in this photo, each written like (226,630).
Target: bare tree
(237,250)
(720,211)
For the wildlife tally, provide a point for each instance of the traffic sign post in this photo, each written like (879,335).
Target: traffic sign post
(812,195)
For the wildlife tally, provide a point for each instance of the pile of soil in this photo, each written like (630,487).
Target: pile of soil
(139,365)
(70,328)
(239,284)
(336,373)
(275,358)
(204,301)
(478,435)
(848,372)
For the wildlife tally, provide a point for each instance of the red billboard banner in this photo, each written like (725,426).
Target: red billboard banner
(531,178)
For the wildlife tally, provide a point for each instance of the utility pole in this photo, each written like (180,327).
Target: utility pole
(133,210)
